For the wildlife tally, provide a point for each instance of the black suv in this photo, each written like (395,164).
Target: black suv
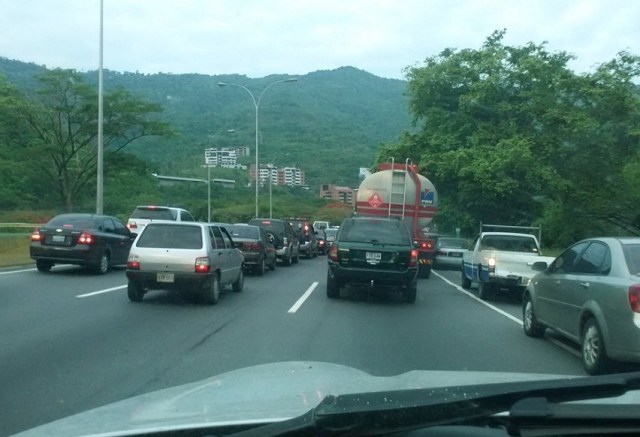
(376,252)
(284,237)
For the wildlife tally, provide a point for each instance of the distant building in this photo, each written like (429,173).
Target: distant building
(335,192)
(291,176)
(172,180)
(224,157)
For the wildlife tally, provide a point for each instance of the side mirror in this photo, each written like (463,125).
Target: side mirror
(539,266)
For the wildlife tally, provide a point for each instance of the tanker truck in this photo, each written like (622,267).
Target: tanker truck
(397,190)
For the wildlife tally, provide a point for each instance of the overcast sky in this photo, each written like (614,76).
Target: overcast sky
(262,37)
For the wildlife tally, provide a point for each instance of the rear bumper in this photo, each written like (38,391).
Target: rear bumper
(180,280)
(382,278)
(81,254)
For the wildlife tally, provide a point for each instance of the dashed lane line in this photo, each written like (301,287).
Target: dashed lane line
(106,290)
(303,298)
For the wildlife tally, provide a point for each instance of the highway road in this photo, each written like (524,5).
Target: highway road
(71,340)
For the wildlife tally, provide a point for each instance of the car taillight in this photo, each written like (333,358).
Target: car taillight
(413,261)
(285,242)
(132,225)
(133,262)
(36,235)
(203,265)
(252,247)
(321,242)
(86,238)
(634,298)
(333,253)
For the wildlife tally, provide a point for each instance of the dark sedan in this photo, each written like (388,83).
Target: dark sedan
(258,250)
(94,241)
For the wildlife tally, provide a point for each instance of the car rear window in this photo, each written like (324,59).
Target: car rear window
(269,225)
(453,243)
(509,243)
(376,231)
(72,221)
(154,214)
(632,256)
(243,231)
(171,237)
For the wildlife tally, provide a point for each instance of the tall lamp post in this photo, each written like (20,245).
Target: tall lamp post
(256,104)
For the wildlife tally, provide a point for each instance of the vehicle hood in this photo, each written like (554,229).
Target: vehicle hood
(258,394)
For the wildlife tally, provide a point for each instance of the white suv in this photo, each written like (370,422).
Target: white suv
(142,215)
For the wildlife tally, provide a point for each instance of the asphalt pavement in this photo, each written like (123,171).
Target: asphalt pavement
(71,340)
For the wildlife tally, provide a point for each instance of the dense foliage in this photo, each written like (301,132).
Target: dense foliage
(511,135)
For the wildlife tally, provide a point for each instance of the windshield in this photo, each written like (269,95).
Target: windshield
(196,188)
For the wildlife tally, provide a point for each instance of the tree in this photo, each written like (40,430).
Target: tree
(512,135)
(63,119)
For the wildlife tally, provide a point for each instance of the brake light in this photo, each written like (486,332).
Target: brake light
(132,225)
(253,247)
(413,261)
(285,242)
(333,253)
(203,265)
(634,298)
(321,242)
(36,235)
(86,238)
(133,262)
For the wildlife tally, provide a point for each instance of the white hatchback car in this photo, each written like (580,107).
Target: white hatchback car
(144,214)
(196,257)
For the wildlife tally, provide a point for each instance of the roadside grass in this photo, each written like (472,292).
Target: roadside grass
(14,250)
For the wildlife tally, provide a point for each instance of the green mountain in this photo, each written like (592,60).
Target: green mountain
(329,123)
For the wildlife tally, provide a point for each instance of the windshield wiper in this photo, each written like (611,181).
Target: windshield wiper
(392,411)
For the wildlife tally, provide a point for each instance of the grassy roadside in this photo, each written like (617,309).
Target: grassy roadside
(14,250)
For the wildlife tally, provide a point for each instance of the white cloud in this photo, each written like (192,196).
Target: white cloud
(259,37)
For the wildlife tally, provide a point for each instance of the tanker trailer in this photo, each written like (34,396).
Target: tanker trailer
(397,190)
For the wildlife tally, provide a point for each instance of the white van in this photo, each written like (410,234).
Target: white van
(144,214)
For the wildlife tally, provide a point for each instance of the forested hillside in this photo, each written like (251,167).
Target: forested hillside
(329,123)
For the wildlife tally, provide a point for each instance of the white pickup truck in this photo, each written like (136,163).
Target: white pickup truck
(501,258)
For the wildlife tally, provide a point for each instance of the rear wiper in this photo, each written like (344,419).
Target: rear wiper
(393,411)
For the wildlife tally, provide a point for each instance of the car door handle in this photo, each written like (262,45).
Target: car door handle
(584,284)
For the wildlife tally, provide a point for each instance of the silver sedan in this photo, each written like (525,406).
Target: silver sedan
(590,294)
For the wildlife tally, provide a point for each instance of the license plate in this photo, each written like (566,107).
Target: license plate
(374,257)
(164,277)
(58,238)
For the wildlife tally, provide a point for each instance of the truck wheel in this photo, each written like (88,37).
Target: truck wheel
(333,289)
(531,326)
(411,292)
(594,355)
(485,290)
(464,281)
(424,271)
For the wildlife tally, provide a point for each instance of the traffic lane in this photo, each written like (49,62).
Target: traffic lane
(80,353)
(443,330)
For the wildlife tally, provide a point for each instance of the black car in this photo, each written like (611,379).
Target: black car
(374,252)
(284,237)
(258,250)
(94,241)
(307,237)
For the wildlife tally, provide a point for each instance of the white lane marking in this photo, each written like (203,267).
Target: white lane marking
(304,297)
(17,271)
(507,315)
(106,290)
(472,296)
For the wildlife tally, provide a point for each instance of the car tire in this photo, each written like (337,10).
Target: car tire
(592,348)
(135,291)
(333,288)
(464,281)
(43,266)
(410,293)
(212,292)
(424,271)
(296,258)
(485,290)
(287,259)
(102,266)
(238,284)
(272,266)
(260,268)
(309,255)
(529,323)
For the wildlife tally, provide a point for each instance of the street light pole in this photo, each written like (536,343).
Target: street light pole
(100,163)
(256,104)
